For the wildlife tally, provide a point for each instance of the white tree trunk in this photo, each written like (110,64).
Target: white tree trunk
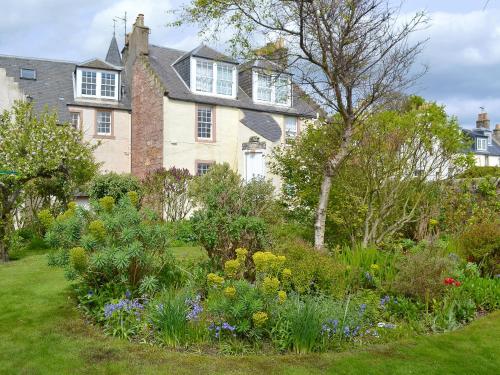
(319,225)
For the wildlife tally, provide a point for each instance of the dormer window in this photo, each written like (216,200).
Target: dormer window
(272,88)
(213,78)
(482,144)
(97,84)
(28,73)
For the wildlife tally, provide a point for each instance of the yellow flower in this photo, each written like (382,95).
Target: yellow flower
(433,222)
(230,292)
(286,273)
(231,267)
(241,253)
(270,285)
(282,296)
(214,280)
(374,267)
(259,318)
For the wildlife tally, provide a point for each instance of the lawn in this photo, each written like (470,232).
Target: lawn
(41,333)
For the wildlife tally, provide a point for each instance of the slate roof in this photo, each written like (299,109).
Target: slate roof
(162,60)
(99,64)
(208,53)
(493,149)
(262,123)
(113,56)
(53,86)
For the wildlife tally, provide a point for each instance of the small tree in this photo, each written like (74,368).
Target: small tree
(166,191)
(113,185)
(350,56)
(397,168)
(36,148)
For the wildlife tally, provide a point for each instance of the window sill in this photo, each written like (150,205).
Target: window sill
(205,140)
(102,136)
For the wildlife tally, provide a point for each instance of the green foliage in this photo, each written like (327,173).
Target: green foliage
(421,273)
(182,233)
(55,158)
(480,243)
(46,219)
(230,213)
(78,259)
(113,185)
(107,203)
(477,172)
(122,246)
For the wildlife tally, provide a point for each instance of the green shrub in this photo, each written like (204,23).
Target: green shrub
(421,274)
(480,243)
(46,219)
(312,271)
(230,212)
(182,233)
(114,185)
(476,172)
(107,203)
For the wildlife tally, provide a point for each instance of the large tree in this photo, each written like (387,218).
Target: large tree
(36,148)
(391,179)
(349,56)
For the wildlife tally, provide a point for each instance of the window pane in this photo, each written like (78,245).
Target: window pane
(75,120)
(108,84)
(290,127)
(224,79)
(264,84)
(202,168)
(282,90)
(28,73)
(88,83)
(205,122)
(204,76)
(104,123)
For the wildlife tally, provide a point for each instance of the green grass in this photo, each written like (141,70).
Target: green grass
(42,333)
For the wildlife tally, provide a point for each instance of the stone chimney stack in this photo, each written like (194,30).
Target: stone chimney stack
(496,133)
(138,40)
(483,122)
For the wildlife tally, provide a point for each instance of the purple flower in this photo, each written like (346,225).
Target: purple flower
(346,331)
(384,300)
(128,294)
(195,308)
(362,309)
(122,305)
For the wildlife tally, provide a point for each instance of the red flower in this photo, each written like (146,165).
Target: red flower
(458,283)
(449,281)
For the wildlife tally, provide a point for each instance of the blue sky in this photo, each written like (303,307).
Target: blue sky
(462,54)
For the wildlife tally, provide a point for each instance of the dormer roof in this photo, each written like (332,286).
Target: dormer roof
(208,53)
(99,64)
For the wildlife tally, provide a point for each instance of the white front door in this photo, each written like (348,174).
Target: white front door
(254,165)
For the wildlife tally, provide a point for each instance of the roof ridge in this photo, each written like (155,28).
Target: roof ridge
(170,48)
(38,59)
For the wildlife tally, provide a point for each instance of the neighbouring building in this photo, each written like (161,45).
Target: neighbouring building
(90,96)
(193,109)
(485,142)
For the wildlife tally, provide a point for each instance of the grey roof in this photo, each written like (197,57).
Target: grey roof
(162,58)
(263,124)
(113,56)
(99,64)
(53,86)
(493,149)
(208,53)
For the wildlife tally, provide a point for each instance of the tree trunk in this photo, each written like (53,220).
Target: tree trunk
(319,225)
(4,253)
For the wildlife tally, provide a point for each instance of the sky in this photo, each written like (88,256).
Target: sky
(462,51)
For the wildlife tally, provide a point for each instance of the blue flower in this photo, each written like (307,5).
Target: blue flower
(384,300)
(346,331)
(195,308)
(362,309)
(128,294)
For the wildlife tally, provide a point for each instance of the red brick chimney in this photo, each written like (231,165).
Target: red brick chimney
(483,122)
(496,133)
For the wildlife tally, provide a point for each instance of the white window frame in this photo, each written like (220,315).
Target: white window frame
(215,65)
(296,132)
(211,123)
(482,144)
(275,77)
(79,119)
(98,84)
(106,134)
(22,76)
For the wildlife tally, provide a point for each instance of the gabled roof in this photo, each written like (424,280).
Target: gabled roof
(162,60)
(113,56)
(263,124)
(99,64)
(493,149)
(206,52)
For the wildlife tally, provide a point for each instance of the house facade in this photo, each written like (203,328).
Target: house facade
(191,109)
(153,107)
(485,142)
(91,96)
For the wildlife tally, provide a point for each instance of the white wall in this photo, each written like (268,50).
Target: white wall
(9,91)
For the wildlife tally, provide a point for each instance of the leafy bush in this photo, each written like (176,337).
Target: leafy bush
(113,245)
(113,185)
(165,191)
(312,271)
(421,273)
(480,243)
(182,233)
(477,172)
(230,213)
